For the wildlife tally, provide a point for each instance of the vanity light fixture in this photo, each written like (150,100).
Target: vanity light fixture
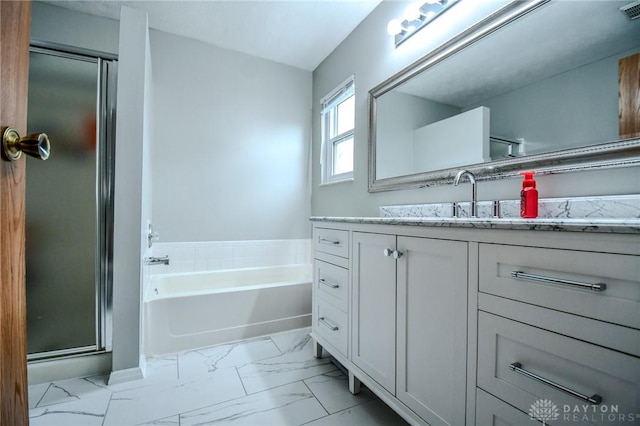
(417,16)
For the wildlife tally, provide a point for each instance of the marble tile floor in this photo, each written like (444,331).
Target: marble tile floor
(271,380)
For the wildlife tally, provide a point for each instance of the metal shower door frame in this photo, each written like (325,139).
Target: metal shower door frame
(105,177)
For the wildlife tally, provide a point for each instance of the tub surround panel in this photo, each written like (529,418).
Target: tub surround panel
(605,207)
(218,255)
(188,311)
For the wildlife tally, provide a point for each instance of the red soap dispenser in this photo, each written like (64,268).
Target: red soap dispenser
(528,196)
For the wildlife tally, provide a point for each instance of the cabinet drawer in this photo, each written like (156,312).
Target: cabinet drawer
(492,411)
(332,241)
(331,323)
(554,279)
(332,283)
(514,359)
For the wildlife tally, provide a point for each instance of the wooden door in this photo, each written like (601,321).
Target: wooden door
(15,17)
(373,347)
(432,329)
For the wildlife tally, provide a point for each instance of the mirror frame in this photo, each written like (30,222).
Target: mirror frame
(621,153)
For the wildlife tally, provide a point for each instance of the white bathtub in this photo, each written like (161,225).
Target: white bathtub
(193,310)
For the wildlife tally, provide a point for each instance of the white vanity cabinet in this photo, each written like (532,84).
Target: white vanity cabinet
(409,321)
(560,326)
(330,322)
(373,308)
(455,326)
(432,329)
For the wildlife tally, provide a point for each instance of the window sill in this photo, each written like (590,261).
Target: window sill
(335,182)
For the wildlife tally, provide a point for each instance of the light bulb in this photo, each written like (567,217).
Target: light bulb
(412,12)
(394,27)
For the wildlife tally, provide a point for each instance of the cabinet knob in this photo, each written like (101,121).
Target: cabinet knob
(392,253)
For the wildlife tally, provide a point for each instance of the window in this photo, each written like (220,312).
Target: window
(338,123)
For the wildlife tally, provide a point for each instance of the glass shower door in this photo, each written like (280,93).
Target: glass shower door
(66,206)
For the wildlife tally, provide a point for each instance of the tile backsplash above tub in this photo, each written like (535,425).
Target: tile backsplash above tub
(217,255)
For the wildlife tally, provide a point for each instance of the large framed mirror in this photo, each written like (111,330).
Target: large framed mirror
(537,85)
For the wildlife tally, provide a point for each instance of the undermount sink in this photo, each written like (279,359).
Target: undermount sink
(443,210)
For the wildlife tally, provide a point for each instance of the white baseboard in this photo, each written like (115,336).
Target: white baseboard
(128,375)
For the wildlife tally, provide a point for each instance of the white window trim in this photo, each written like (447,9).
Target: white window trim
(329,102)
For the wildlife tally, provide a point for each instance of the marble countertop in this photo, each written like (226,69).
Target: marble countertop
(617,214)
(601,225)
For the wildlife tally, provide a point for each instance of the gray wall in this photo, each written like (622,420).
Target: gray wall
(573,109)
(63,26)
(131,138)
(370,54)
(230,144)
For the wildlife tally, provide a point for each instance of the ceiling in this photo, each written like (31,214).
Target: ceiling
(555,38)
(300,33)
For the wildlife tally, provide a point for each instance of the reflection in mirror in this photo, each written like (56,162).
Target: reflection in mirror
(547,82)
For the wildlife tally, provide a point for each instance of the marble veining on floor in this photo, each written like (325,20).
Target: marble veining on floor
(272,380)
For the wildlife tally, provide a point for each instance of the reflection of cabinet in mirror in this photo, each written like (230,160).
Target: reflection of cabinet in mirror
(452,142)
(431,136)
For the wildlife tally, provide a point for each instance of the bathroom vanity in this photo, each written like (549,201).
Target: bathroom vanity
(455,321)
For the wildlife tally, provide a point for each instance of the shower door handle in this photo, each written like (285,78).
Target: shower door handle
(36,145)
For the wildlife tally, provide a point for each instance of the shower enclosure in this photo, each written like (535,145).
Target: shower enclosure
(69,202)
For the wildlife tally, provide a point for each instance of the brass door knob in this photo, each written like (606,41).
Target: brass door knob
(36,145)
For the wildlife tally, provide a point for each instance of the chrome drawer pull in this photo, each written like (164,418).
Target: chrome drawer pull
(593,399)
(325,241)
(542,279)
(327,283)
(328,324)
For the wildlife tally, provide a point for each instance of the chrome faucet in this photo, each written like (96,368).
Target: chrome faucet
(474,192)
(157,260)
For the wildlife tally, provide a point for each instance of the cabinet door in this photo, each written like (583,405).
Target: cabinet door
(432,329)
(374,307)
(492,411)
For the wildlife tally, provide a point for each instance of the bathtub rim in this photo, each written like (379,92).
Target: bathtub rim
(149,296)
